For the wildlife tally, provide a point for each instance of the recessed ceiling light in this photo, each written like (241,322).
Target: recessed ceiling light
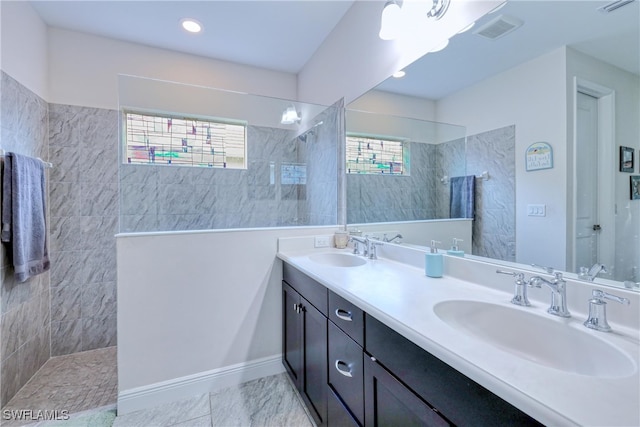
(440,47)
(191,25)
(399,74)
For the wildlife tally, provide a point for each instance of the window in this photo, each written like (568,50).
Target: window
(171,140)
(371,155)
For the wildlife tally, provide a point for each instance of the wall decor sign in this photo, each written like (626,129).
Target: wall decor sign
(626,159)
(539,156)
(635,187)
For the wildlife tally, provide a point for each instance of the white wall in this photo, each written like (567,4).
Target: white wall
(353,59)
(192,302)
(533,97)
(84,69)
(393,104)
(23,46)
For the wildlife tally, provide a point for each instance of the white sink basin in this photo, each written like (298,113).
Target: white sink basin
(337,259)
(535,338)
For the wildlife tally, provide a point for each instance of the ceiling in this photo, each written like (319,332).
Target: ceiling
(547,25)
(282,35)
(277,35)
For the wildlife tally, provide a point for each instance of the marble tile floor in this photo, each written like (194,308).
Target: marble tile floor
(73,383)
(268,401)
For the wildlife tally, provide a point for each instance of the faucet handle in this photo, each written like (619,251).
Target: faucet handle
(598,310)
(600,295)
(519,276)
(520,293)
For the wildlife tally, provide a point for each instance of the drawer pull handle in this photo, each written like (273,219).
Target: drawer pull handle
(344,315)
(345,372)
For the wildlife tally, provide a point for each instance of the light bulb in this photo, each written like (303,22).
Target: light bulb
(391,21)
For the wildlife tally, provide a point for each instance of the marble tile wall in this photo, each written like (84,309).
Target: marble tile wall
(494,229)
(83,146)
(24,307)
(494,233)
(171,198)
(382,198)
(319,151)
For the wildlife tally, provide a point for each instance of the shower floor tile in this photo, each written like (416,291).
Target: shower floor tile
(72,383)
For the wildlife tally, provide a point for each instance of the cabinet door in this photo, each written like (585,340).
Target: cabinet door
(389,403)
(345,370)
(314,381)
(292,333)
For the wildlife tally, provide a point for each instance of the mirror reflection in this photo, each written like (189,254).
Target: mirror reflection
(567,75)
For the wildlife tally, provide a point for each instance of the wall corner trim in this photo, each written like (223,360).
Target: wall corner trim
(188,386)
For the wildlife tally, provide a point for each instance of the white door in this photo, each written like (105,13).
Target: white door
(586,186)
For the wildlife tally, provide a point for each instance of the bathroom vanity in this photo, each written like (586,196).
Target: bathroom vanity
(375,342)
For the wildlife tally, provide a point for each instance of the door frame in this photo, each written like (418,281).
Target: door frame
(606,169)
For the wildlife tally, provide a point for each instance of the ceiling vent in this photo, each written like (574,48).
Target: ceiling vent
(614,5)
(498,27)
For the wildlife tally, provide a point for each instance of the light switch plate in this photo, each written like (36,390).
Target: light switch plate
(322,241)
(536,210)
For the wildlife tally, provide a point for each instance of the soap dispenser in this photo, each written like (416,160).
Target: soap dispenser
(455,250)
(433,263)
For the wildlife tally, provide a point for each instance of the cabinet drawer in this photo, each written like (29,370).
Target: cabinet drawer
(456,397)
(347,317)
(311,290)
(346,374)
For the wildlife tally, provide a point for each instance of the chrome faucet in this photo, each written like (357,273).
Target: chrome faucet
(397,236)
(558,288)
(598,310)
(590,274)
(357,241)
(520,294)
(369,246)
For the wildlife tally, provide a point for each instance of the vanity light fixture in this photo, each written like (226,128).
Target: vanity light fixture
(191,25)
(438,9)
(399,74)
(393,20)
(290,116)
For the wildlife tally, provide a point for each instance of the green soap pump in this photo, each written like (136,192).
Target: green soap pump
(433,263)
(455,250)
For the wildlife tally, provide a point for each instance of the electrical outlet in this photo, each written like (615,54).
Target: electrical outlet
(322,241)
(536,210)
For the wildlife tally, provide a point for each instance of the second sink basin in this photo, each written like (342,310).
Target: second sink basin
(535,338)
(337,259)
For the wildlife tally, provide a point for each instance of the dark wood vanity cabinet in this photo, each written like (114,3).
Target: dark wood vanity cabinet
(304,338)
(352,370)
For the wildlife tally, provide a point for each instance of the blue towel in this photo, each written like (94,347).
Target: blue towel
(24,215)
(462,197)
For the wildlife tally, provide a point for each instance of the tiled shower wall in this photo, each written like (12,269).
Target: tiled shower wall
(494,231)
(422,195)
(83,144)
(318,150)
(384,197)
(24,307)
(171,198)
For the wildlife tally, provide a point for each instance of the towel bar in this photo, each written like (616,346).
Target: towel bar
(46,164)
(483,176)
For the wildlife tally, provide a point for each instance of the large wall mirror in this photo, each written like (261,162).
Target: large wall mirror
(562,73)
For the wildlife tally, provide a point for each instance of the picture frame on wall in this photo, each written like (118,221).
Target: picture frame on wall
(626,159)
(635,187)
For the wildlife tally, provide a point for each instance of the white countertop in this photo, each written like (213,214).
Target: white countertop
(402,297)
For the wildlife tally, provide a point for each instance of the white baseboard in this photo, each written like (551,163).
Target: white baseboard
(189,386)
